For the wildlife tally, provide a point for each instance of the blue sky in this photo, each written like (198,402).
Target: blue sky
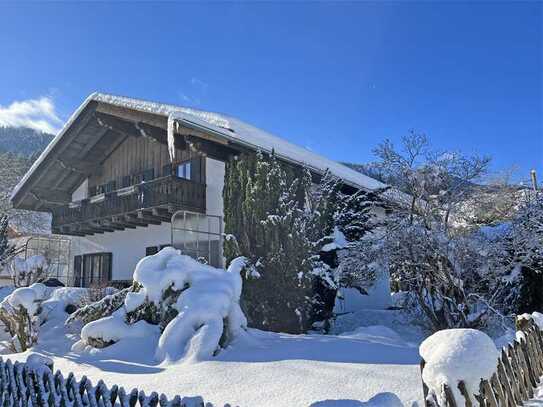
(335,77)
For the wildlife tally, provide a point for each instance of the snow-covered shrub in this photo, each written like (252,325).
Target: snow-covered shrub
(7,250)
(518,257)
(361,213)
(99,309)
(20,313)
(360,266)
(452,355)
(195,306)
(25,272)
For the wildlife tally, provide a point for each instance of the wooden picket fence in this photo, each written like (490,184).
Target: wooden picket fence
(24,385)
(518,373)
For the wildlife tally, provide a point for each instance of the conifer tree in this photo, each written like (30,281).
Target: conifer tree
(280,220)
(265,220)
(357,213)
(7,251)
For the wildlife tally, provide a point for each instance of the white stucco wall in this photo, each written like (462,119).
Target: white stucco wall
(378,297)
(127,246)
(214,187)
(81,191)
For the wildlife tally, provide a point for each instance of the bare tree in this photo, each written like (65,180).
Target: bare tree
(436,181)
(425,255)
(404,168)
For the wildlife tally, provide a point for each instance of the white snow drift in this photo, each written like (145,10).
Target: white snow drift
(28,298)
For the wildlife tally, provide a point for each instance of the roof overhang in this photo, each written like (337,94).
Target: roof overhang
(95,129)
(78,150)
(104,121)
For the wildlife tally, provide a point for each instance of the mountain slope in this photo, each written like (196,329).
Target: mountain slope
(19,147)
(23,141)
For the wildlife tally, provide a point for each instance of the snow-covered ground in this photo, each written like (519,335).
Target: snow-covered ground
(371,359)
(345,369)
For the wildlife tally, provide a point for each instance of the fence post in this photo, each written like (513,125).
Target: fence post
(465,393)
(20,384)
(448,396)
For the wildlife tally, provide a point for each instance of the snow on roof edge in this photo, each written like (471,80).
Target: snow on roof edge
(241,132)
(52,144)
(231,128)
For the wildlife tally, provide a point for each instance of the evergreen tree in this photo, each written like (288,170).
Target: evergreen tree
(266,221)
(359,213)
(285,225)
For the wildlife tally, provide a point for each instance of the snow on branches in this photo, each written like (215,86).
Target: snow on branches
(19,312)
(25,272)
(99,309)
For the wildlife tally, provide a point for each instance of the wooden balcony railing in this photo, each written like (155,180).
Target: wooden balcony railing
(137,205)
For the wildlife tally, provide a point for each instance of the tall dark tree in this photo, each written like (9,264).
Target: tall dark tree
(270,220)
(7,250)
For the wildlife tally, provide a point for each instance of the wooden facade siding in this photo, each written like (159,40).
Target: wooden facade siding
(137,154)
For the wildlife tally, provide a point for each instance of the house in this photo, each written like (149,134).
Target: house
(126,177)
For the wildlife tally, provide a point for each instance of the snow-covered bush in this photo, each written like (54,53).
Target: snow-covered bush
(452,355)
(195,307)
(19,312)
(360,217)
(26,309)
(518,257)
(25,272)
(441,273)
(99,309)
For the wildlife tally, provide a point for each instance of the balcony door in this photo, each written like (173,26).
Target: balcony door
(92,270)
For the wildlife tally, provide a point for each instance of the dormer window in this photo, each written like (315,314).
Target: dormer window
(184,170)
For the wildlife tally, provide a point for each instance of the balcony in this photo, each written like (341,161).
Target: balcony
(150,202)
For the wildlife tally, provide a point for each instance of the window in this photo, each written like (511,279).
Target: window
(184,170)
(92,270)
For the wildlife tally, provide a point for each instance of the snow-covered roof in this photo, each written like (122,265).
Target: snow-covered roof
(230,128)
(238,131)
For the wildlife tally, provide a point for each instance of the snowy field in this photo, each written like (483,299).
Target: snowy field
(269,369)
